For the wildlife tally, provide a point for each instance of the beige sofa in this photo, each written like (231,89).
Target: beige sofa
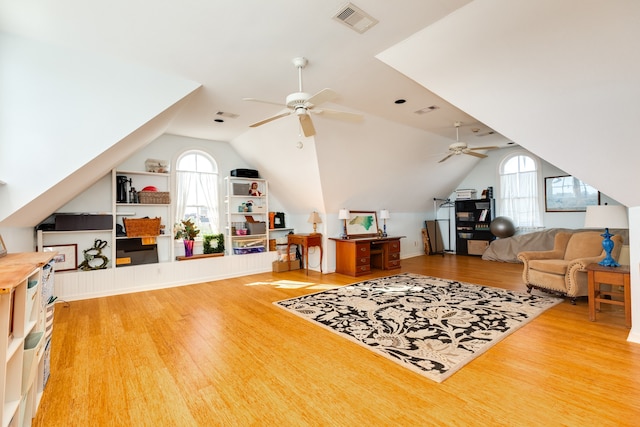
(562,269)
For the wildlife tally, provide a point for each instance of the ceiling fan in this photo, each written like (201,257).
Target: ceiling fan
(302,104)
(462,148)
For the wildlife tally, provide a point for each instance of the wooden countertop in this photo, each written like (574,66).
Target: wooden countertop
(16,267)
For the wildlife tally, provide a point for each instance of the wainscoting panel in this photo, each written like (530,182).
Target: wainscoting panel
(77,285)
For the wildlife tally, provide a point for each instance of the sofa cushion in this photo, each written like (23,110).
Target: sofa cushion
(553,266)
(584,245)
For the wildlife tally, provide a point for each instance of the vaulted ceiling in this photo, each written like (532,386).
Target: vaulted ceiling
(559,78)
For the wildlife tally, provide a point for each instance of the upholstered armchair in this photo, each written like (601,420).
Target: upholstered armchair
(562,270)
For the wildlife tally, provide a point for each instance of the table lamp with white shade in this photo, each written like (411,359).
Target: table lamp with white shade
(607,216)
(343,214)
(384,216)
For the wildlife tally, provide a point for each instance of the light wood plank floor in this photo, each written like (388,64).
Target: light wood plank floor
(221,354)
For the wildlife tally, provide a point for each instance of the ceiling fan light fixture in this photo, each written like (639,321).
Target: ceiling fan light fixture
(301,104)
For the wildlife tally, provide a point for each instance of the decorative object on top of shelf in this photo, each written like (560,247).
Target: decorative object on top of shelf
(218,243)
(156,166)
(343,214)
(3,248)
(245,173)
(253,191)
(66,258)
(607,216)
(142,227)
(186,230)
(502,227)
(314,218)
(362,224)
(487,193)
(93,258)
(384,216)
(568,194)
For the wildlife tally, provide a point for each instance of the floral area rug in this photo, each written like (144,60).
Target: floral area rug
(432,326)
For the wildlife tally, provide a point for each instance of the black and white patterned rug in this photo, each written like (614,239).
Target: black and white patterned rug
(430,325)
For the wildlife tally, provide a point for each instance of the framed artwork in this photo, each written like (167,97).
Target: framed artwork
(362,224)
(67,257)
(3,248)
(568,194)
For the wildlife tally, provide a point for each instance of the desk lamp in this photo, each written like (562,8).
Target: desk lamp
(384,216)
(344,216)
(314,219)
(605,216)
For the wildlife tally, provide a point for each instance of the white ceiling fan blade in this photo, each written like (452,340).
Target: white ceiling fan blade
(471,153)
(342,115)
(270,119)
(324,95)
(264,102)
(449,155)
(307,125)
(493,147)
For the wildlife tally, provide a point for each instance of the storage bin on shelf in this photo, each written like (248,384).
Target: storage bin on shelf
(141,227)
(154,197)
(33,345)
(248,246)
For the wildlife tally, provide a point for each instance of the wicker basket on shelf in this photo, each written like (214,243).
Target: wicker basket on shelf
(154,197)
(141,227)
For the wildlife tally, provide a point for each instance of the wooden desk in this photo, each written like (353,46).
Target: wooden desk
(306,240)
(356,257)
(614,276)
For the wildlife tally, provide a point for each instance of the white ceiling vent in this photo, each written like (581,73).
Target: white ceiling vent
(426,110)
(355,18)
(228,115)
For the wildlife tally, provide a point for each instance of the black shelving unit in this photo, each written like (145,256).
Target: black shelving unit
(473,218)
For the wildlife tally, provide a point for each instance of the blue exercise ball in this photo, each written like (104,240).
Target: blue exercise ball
(502,227)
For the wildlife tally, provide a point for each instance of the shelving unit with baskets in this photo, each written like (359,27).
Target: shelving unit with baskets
(147,218)
(22,336)
(247,215)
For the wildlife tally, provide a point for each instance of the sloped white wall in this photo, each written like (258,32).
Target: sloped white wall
(62,110)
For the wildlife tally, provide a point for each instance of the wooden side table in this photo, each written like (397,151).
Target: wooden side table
(614,276)
(306,240)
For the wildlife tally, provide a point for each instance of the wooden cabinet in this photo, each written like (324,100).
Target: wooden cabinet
(22,336)
(247,213)
(473,218)
(353,258)
(356,257)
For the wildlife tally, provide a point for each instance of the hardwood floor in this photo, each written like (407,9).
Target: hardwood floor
(221,354)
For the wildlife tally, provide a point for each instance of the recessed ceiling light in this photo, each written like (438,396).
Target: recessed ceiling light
(400,101)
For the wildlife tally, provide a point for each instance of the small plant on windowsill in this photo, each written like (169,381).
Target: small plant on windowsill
(187,231)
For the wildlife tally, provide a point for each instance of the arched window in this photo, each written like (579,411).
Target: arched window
(197,191)
(519,195)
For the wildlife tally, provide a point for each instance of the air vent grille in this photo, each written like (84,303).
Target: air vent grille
(355,18)
(426,110)
(227,115)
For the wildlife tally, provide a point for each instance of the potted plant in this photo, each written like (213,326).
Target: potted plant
(187,231)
